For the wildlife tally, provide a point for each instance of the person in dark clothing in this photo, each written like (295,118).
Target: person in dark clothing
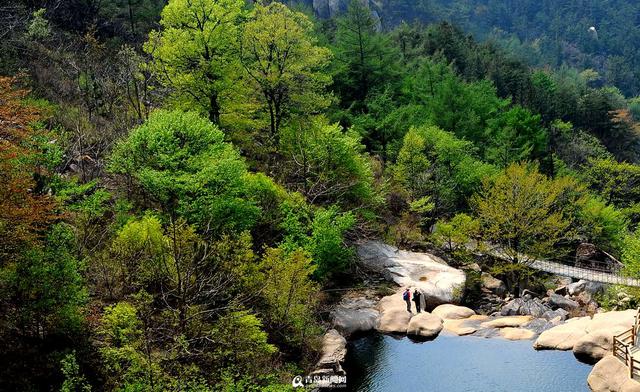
(407,298)
(416,299)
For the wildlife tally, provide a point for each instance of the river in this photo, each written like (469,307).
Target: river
(384,363)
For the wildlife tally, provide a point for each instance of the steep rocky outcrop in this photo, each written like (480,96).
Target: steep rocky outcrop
(438,282)
(355,315)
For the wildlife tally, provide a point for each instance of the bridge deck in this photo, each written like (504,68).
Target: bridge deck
(582,273)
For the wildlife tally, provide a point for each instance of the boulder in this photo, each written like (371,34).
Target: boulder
(597,344)
(557,301)
(334,351)
(611,375)
(564,336)
(438,282)
(553,314)
(576,287)
(425,325)
(493,284)
(452,312)
(510,321)
(525,307)
(466,326)
(354,315)
(517,333)
(393,314)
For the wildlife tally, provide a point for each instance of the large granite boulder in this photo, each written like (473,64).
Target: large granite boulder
(425,325)
(526,306)
(595,345)
(438,282)
(452,312)
(394,316)
(566,336)
(354,315)
(611,375)
(557,301)
(493,284)
(334,351)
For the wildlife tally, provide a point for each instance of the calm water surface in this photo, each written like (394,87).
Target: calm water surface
(381,363)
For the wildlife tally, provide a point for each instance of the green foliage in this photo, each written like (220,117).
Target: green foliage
(289,293)
(74,381)
(194,53)
(514,136)
(39,27)
(364,58)
(617,183)
(181,161)
(602,224)
(329,165)
(283,62)
(631,254)
(326,244)
(525,212)
(48,285)
(435,163)
(241,351)
(456,232)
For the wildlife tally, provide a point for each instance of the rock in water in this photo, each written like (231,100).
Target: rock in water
(517,333)
(596,345)
(354,315)
(394,316)
(611,375)
(334,351)
(425,325)
(439,283)
(452,312)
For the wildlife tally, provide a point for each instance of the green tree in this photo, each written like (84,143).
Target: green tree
(181,162)
(283,61)
(328,165)
(514,136)
(456,232)
(47,286)
(365,59)
(194,54)
(289,293)
(525,213)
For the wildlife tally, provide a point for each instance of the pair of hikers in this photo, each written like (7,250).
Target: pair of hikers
(416,299)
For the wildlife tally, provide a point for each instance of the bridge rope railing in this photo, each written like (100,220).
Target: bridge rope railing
(591,270)
(625,345)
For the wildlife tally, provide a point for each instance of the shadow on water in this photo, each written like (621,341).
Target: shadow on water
(381,363)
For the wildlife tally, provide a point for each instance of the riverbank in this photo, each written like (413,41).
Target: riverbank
(545,325)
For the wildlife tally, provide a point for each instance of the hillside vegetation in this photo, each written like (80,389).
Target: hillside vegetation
(182,184)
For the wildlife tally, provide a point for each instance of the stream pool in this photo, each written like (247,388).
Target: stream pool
(385,363)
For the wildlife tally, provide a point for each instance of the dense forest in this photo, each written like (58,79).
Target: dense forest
(182,184)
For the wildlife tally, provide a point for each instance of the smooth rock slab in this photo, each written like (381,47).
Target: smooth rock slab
(611,375)
(452,312)
(438,282)
(517,333)
(466,326)
(509,321)
(425,325)
(354,315)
